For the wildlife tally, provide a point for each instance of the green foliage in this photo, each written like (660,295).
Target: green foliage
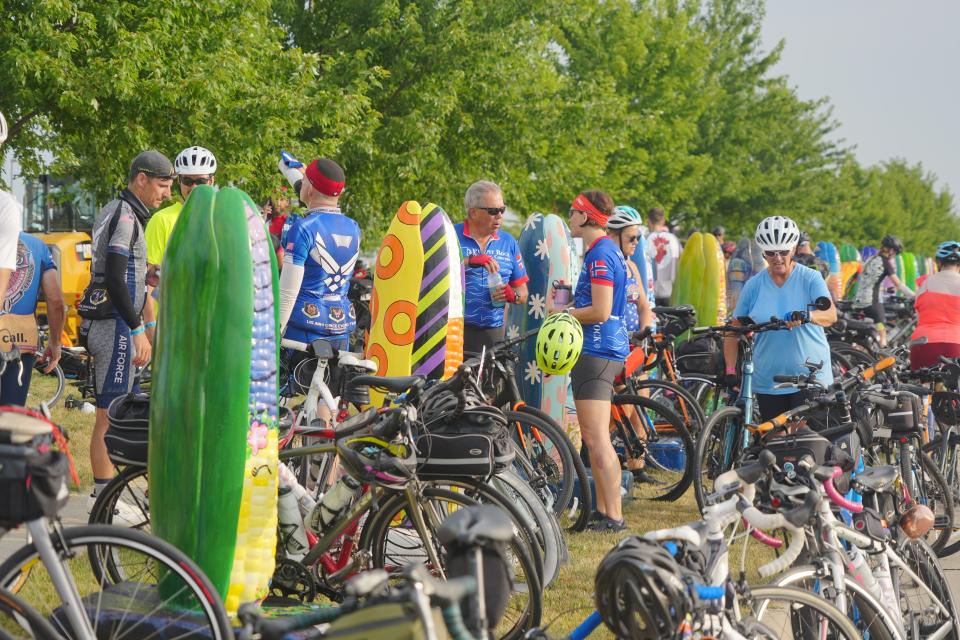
(661,103)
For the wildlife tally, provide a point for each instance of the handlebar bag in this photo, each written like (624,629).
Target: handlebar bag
(703,355)
(32,484)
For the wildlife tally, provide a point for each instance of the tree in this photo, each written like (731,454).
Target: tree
(95,83)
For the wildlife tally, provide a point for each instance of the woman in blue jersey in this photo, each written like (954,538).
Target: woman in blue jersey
(784,287)
(599,305)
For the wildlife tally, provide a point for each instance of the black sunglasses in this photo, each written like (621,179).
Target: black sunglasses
(193,182)
(783,253)
(632,238)
(493,211)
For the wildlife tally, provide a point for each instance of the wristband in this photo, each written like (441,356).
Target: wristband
(138,330)
(731,370)
(150,324)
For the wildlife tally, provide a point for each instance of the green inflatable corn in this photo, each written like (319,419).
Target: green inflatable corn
(213,413)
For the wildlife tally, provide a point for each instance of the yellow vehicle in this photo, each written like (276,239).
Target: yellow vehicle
(58,212)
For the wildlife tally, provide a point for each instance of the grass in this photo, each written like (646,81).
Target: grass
(568,601)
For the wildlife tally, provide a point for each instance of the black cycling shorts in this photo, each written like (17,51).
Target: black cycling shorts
(592,378)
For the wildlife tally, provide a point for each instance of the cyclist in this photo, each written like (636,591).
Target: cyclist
(600,302)
(663,249)
(10,215)
(486,250)
(779,290)
(938,310)
(35,270)
(869,283)
(194,166)
(117,338)
(322,247)
(808,258)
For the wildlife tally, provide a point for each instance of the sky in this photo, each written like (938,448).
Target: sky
(888,67)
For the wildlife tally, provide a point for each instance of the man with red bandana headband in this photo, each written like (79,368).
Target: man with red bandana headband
(320,251)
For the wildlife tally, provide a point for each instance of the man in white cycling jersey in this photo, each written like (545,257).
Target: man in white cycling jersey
(10,214)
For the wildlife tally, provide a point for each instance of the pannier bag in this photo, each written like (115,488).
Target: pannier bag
(703,355)
(395,620)
(128,431)
(32,473)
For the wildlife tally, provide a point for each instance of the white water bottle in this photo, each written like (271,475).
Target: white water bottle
(888,596)
(334,501)
(494,282)
(860,570)
(291,524)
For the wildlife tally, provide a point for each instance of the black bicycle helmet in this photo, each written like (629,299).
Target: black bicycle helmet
(892,242)
(639,591)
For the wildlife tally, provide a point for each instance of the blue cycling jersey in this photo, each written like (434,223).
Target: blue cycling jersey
(478,306)
(33,260)
(604,265)
(327,244)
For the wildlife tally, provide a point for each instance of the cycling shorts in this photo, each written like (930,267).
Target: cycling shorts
(592,378)
(111,346)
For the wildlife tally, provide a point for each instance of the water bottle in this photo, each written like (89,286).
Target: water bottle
(494,281)
(293,535)
(860,570)
(887,594)
(338,498)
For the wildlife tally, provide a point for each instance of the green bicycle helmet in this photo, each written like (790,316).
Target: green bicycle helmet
(559,343)
(624,216)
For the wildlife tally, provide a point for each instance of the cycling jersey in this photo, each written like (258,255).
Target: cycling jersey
(18,325)
(938,308)
(10,215)
(631,315)
(478,305)
(785,352)
(663,248)
(158,231)
(874,270)
(603,264)
(127,289)
(326,244)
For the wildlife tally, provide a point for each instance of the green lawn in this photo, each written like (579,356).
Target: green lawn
(570,600)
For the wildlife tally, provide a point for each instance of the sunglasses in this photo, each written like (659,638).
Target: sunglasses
(632,239)
(493,211)
(783,253)
(193,182)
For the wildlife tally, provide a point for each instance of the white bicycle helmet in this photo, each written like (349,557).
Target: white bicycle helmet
(624,216)
(777,233)
(195,161)
(3,129)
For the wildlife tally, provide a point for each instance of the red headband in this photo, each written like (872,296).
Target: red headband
(322,183)
(581,203)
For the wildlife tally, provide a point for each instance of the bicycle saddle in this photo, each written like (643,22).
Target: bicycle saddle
(394,384)
(476,525)
(682,310)
(349,359)
(19,429)
(915,389)
(877,479)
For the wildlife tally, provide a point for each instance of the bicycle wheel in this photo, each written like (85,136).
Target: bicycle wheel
(18,620)
(548,462)
(706,391)
(45,387)
(718,449)
(678,399)
(131,584)
(125,501)
(394,542)
(927,486)
(794,613)
(933,612)
(867,613)
(665,442)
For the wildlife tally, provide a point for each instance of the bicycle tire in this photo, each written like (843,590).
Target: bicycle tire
(374,538)
(547,461)
(707,392)
(690,410)
(124,501)
(60,384)
(870,615)
(667,421)
(102,545)
(18,620)
(923,561)
(704,462)
(809,604)
(934,492)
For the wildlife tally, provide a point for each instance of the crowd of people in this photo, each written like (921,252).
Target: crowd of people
(320,248)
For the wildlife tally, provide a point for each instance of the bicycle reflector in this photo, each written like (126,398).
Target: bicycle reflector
(559,343)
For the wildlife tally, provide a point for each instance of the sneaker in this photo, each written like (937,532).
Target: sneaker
(642,477)
(607,525)
(596,516)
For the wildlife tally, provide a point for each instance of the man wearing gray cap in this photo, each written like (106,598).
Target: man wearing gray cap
(117,324)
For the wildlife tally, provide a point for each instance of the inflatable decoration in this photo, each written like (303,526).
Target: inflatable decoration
(213,414)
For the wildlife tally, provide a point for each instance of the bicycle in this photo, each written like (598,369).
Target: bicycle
(106,581)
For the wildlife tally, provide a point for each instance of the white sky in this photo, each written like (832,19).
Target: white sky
(889,69)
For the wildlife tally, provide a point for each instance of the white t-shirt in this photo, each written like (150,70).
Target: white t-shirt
(663,248)
(10,214)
